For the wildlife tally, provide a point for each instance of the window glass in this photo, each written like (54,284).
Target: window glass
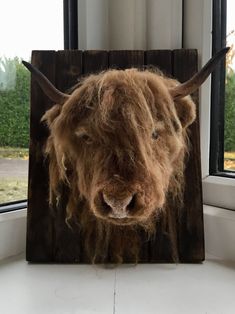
(25,25)
(229,127)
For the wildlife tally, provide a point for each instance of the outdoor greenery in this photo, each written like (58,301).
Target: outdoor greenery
(14,152)
(13,189)
(229,128)
(14,103)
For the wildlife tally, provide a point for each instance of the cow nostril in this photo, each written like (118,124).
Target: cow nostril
(132,203)
(105,205)
(116,203)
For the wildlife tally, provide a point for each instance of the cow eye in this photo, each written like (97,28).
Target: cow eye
(155,135)
(83,136)
(86,138)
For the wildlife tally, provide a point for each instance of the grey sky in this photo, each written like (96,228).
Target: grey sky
(20,31)
(30,24)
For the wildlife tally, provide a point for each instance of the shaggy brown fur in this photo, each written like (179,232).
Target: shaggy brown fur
(119,134)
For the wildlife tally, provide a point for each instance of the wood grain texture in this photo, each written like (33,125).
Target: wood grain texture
(123,59)
(95,61)
(190,229)
(39,220)
(49,239)
(162,59)
(67,241)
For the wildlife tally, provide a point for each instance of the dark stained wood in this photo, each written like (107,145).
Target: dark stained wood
(161,246)
(162,59)
(95,61)
(67,240)
(48,237)
(123,59)
(69,63)
(190,229)
(40,230)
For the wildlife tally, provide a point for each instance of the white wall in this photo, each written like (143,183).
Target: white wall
(198,34)
(130,24)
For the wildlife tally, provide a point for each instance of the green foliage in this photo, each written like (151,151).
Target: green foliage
(14,103)
(229,129)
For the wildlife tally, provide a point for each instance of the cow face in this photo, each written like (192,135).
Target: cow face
(119,140)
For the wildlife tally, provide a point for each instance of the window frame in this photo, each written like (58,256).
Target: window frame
(70,21)
(219,25)
(216,161)
(70,8)
(217,189)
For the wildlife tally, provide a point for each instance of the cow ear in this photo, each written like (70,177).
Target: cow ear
(186,111)
(51,115)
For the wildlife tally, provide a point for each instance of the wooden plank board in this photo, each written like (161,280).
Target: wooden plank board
(40,230)
(67,241)
(162,59)
(160,246)
(48,237)
(124,59)
(190,229)
(95,61)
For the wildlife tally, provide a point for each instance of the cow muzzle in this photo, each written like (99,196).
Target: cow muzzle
(118,208)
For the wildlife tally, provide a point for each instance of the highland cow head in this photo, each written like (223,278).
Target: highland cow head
(119,140)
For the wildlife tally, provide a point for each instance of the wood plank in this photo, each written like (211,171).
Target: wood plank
(184,63)
(67,240)
(191,236)
(162,59)
(40,230)
(94,61)
(161,244)
(123,59)
(69,68)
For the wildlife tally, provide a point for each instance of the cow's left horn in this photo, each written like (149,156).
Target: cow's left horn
(193,84)
(49,89)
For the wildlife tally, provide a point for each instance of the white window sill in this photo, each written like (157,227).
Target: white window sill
(127,289)
(12,233)
(219,191)
(219,232)
(219,226)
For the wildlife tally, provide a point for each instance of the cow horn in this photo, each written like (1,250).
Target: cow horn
(193,84)
(48,88)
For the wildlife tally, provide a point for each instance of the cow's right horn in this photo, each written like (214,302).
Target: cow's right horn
(48,88)
(193,84)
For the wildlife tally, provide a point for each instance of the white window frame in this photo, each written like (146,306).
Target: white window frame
(217,191)
(12,233)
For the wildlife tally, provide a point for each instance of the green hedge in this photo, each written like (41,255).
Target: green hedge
(14,103)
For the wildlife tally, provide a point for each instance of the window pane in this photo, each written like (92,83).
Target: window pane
(229,128)
(25,25)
